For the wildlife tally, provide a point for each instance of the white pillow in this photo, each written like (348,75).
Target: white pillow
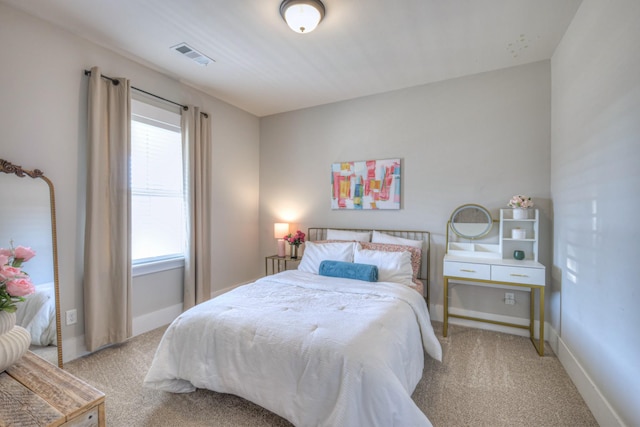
(358,236)
(387,238)
(392,266)
(315,253)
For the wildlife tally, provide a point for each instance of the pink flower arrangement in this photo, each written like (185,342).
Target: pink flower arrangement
(295,239)
(14,282)
(523,202)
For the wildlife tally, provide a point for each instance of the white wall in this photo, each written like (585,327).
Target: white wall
(596,199)
(478,139)
(42,117)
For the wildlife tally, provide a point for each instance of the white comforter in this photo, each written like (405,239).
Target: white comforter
(318,351)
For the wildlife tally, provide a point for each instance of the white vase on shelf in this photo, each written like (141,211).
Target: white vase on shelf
(518,234)
(14,340)
(520,213)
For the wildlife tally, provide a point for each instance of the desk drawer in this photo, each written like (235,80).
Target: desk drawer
(468,270)
(524,275)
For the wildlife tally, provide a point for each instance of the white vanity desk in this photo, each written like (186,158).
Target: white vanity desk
(492,264)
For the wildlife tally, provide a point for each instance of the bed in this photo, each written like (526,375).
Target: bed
(317,350)
(37,314)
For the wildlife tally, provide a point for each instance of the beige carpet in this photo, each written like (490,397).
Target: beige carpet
(486,379)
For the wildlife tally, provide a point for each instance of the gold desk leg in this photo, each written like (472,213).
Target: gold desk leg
(539,344)
(532,305)
(541,338)
(446,307)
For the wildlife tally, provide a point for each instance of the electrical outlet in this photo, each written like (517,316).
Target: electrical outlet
(509,298)
(72,317)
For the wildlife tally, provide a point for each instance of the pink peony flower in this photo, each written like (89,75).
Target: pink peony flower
(14,282)
(8,272)
(20,287)
(24,253)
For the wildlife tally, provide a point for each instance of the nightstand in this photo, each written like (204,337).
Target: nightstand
(278,263)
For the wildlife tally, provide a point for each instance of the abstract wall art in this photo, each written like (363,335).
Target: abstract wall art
(369,184)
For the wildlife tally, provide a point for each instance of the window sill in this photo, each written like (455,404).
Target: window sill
(158,266)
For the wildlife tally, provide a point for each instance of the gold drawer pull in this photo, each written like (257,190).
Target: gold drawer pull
(467,271)
(518,275)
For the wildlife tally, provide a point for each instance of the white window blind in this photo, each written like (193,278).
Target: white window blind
(157,200)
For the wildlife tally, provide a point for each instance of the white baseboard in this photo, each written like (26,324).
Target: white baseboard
(437,314)
(225,290)
(595,400)
(150,321)
(75,347)
(593,397)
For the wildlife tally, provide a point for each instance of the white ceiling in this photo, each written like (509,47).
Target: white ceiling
(362,47)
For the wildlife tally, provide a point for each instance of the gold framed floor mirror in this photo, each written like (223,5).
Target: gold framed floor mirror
(28,218)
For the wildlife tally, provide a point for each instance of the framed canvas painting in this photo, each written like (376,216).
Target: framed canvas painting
(369,184)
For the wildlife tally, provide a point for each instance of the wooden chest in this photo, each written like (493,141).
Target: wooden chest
(33,392)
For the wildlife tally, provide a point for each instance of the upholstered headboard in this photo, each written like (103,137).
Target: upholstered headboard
(320,233)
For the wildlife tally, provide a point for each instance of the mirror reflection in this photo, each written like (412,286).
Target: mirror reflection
(471,221)
(26,220)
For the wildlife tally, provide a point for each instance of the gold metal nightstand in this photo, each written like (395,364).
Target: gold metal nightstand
(278,263)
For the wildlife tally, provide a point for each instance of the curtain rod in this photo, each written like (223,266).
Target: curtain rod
(117,82)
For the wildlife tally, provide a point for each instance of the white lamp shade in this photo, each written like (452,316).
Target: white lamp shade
(302,16)
(280,229)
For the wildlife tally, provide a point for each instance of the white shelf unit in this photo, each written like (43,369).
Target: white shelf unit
(528,244)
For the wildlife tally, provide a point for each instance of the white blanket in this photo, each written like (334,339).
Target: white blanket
(318,351)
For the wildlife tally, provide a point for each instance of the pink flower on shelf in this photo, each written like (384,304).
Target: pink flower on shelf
(519,201)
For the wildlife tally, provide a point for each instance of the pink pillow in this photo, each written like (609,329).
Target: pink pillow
(416,253)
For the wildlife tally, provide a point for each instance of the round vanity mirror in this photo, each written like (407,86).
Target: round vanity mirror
(471,221)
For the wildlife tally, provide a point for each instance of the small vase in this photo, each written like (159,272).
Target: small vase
(294,251)
(520,213)
(14,340)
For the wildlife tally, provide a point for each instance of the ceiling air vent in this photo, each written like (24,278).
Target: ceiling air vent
(192,54)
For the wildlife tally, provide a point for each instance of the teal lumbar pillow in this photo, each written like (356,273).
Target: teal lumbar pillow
(349,270)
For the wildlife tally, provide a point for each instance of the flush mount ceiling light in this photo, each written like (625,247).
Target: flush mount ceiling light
(302,16)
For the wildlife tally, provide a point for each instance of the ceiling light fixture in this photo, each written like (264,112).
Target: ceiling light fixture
(302,16)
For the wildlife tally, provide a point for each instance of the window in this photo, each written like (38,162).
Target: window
(157,197)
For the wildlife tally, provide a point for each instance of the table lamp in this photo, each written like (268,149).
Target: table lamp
(280,229)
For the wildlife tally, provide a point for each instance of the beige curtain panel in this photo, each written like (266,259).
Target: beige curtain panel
(196,148)
(107,254)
